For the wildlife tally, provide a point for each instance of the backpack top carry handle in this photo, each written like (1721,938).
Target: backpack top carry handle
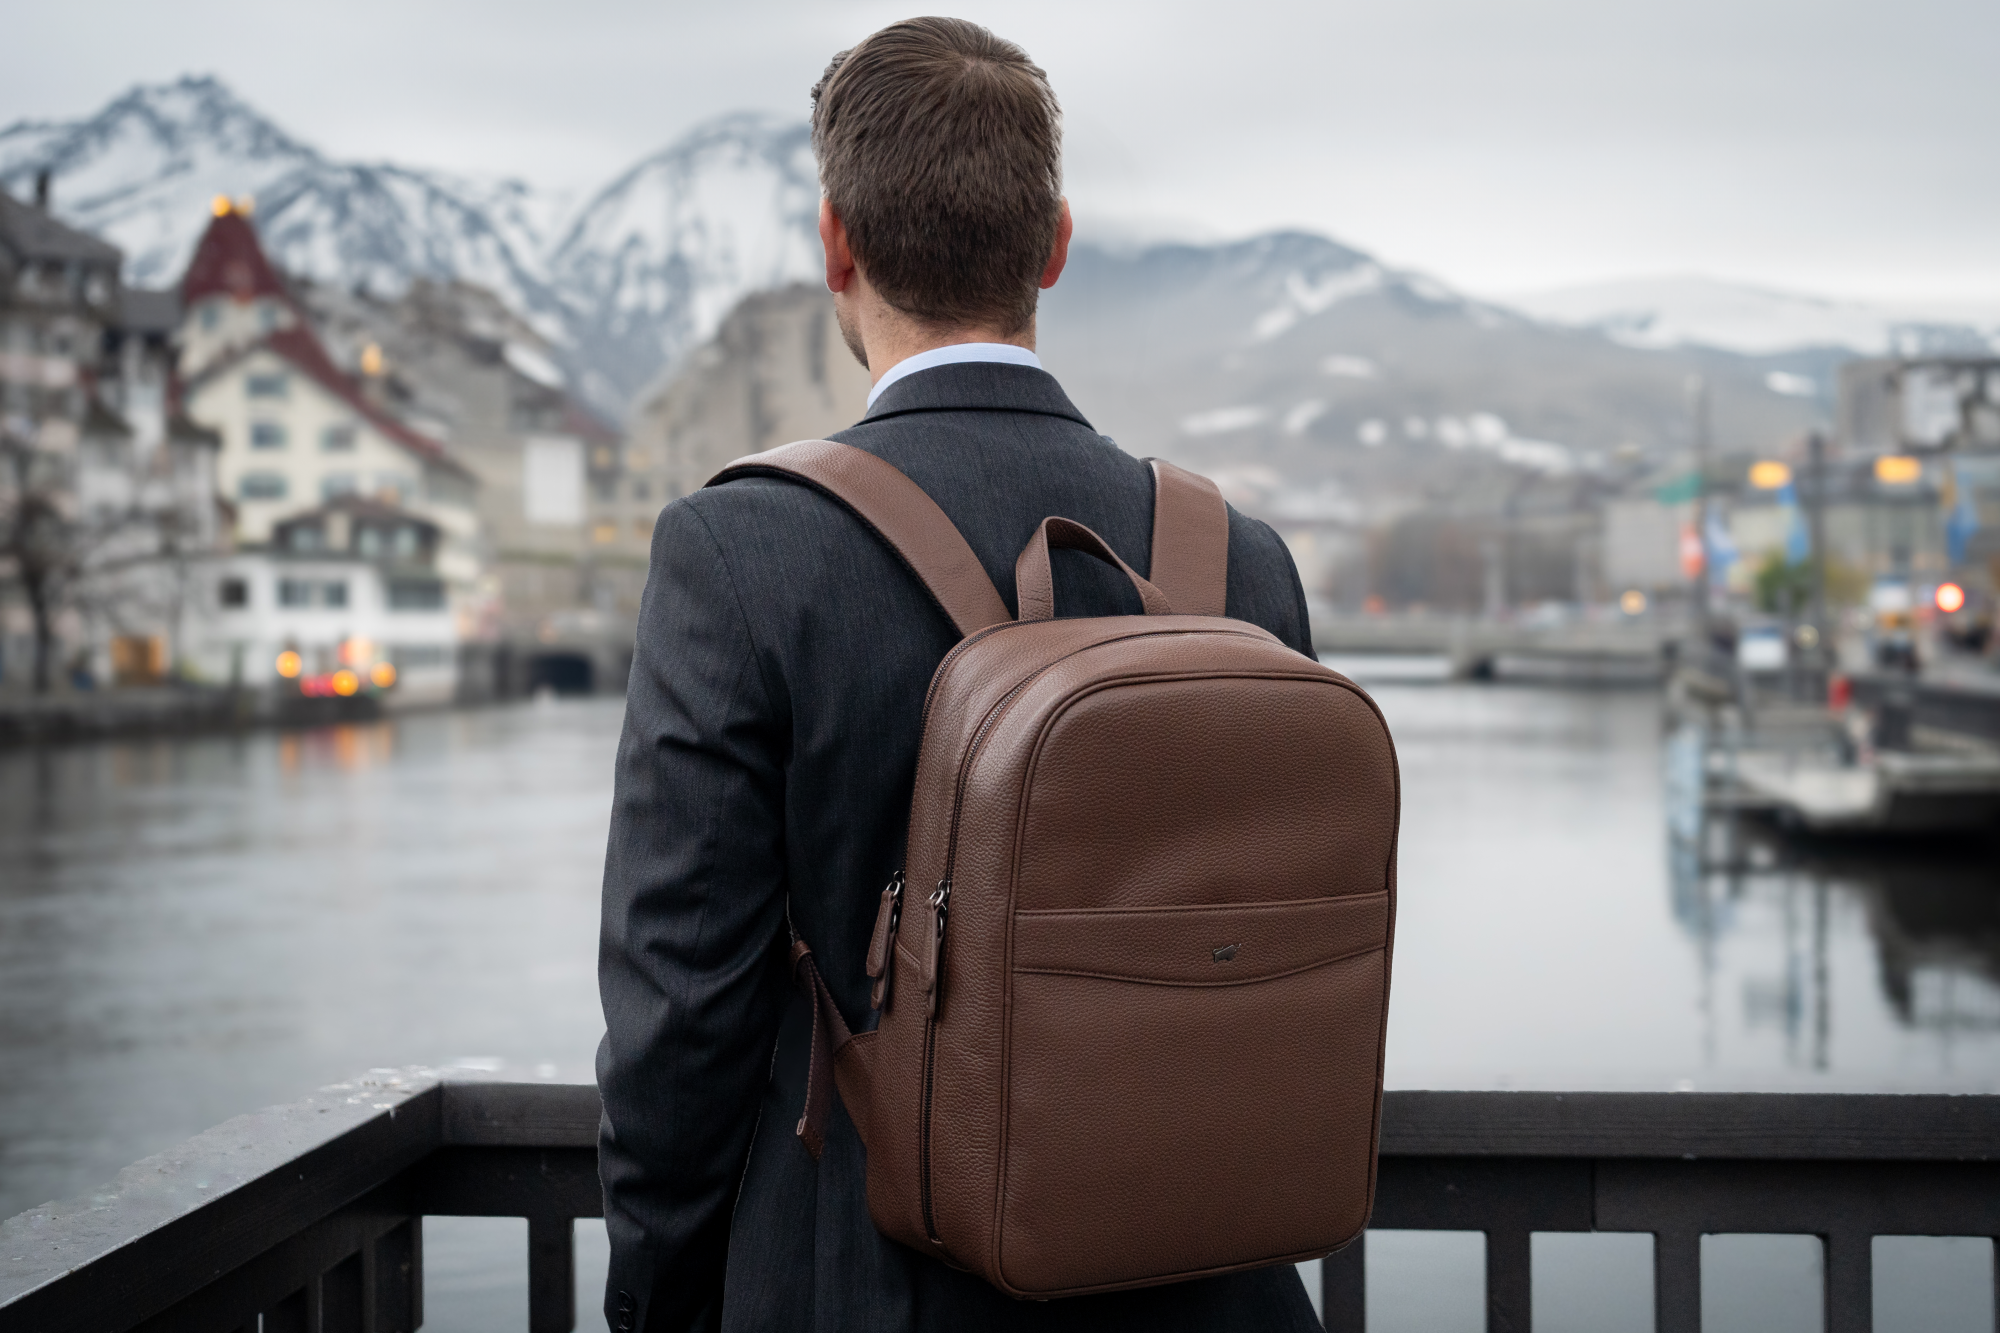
(1189,567)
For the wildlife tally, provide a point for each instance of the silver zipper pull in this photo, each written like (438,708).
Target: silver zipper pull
(940,901)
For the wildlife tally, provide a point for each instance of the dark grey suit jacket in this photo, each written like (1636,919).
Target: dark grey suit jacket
(770,745)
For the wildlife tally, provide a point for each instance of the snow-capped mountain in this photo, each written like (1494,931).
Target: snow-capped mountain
(142,172)
(660,255)
(645,270)
(1755,321)
(1313,360)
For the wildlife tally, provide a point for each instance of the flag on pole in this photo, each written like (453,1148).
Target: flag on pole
(1959,525)
(1721,548)
(1798,540)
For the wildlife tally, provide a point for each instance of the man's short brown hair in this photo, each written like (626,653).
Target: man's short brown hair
(940,147)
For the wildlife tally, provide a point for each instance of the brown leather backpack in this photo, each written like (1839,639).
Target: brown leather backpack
(1133,996)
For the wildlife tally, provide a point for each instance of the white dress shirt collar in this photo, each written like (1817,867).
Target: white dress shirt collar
(957,353)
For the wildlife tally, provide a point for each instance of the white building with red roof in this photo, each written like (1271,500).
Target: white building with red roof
(296,430)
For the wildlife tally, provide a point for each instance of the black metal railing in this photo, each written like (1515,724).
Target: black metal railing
(1680,1166)
(309,1216)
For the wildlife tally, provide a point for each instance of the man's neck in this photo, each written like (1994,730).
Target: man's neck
(889,337)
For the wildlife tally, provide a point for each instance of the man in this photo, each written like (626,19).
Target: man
(772,723)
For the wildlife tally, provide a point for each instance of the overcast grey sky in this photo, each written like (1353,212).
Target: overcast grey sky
(1850,147)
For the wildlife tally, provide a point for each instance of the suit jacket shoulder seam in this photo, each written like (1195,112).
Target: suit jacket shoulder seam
(736,596)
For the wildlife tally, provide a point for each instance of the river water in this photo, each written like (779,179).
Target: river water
(193,928)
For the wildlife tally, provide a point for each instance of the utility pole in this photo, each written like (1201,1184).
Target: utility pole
(1822,645)
(1697,392)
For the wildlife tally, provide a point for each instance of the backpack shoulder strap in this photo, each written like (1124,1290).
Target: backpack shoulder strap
(896,509)
(1190,541)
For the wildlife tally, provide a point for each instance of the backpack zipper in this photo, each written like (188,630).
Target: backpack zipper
(940,906)
(940,901)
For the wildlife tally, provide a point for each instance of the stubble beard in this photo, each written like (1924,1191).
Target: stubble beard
(850,332)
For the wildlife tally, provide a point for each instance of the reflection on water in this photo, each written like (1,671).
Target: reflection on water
(1570,918)
(1872,958)
(193,928)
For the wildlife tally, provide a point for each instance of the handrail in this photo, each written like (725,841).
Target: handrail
(310,1214)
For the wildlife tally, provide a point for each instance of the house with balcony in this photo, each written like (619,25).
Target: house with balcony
(298,433)
(345,598)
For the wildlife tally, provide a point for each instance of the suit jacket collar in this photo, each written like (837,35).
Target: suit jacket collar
(977,386)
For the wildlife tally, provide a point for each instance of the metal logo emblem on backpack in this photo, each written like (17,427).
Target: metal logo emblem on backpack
(1060,1095)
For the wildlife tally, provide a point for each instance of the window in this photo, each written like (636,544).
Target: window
(267,435)
(604,532)
(233,594)
(407,655)
(336,484)
(337,439)
(393,488)
(309,592)
(641,491)
(304,538)
(264,386)
(642,528)
(368,542)
(552,481)
(267,315)
(416,595)
(406,541)
(210,314)
(261,486)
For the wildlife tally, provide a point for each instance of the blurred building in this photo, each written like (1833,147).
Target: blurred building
(1896,405)
(298,436)
(105,493)
(776,371)
(296,431)
(565,536)
(349,586)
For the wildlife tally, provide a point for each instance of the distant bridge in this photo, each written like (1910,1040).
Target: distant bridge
(1475,647)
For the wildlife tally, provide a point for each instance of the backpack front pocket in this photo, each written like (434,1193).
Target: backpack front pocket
(1160,1060)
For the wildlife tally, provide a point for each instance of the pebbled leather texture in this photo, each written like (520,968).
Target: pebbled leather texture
(1169,843)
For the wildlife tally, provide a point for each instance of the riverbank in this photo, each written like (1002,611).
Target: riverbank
(69,715)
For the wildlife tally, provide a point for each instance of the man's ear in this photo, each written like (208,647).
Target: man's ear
(840,259)
(1057,257)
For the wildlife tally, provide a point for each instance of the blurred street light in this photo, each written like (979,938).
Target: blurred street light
(1898,469)
(1770,475)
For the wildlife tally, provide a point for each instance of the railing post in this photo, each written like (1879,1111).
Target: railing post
(551,1274)
(1343,1288)
(1676,1282)
(342,1297)
(1849,1266)
(296,1313)
(395,1264)
(1509,1281)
